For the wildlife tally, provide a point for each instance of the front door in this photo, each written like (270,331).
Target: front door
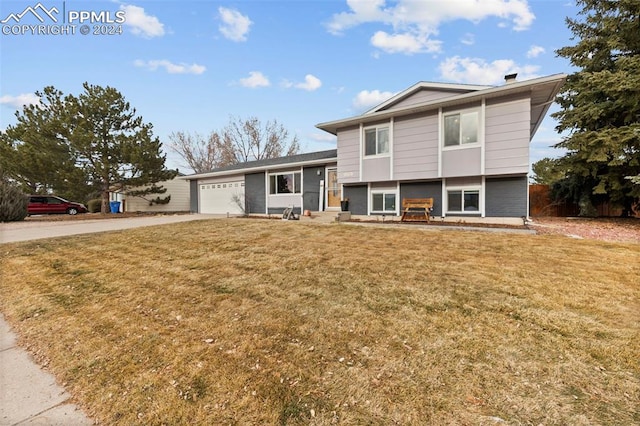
(334,193)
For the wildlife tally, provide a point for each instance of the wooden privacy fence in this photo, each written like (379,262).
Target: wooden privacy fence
(541,204)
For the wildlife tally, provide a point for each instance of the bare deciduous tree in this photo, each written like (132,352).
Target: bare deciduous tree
(200,154)
(247,140)
(240,141)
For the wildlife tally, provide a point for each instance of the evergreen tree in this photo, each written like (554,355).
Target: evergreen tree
(34,155)
(601,103)
(547,171)
(13,202)
(108,145)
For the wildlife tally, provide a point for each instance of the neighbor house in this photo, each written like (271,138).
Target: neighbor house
(176,188)
(465,146)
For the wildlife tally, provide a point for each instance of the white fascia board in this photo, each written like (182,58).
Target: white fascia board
(546,105)
(242,171)
(520,86)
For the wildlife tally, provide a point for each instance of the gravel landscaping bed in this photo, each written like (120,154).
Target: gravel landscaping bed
(625,230)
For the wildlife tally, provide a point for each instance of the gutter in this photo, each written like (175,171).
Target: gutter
(259,168)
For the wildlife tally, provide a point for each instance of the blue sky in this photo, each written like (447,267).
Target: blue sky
(191,65)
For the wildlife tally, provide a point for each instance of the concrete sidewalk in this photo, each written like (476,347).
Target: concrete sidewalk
(29,395)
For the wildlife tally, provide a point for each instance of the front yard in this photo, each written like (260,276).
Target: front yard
(271,322)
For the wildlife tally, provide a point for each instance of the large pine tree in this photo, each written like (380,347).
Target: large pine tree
(99,132)
(33,154)
(601,103)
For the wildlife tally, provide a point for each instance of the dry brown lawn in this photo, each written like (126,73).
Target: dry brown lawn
(270,322)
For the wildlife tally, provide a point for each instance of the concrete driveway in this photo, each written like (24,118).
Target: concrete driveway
(34,230)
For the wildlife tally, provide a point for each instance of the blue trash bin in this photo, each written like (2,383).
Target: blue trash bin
(115,206)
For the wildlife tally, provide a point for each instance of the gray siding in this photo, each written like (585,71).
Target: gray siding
(465,181)
(376,168)
(461,162)
(193,195)
(423,96)
(507,130)
(282,201)
(357,196)
(415,147)
(349,155)
(254,193)
(423,190)
(311,187)
(506,197)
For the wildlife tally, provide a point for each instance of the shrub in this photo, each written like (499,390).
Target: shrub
(13,202)
(95,205)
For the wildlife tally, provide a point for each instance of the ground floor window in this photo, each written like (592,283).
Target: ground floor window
(383,202)
(463,201)
(285,183)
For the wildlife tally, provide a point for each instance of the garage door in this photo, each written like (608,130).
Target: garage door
(222,197)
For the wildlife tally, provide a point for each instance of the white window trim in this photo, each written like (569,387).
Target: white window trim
(388,126)
(361,152)
(478,188)
(266,189)
(440,144)
(325,189)
(481,139)
(284,194)
(480,127)
(391,128)
(383,191)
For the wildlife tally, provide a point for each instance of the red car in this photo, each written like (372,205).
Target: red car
(50,204)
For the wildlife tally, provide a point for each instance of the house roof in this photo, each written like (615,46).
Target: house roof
(310,158)
(426,85)
(543,91)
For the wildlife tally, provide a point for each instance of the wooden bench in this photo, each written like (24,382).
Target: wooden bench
(416,208)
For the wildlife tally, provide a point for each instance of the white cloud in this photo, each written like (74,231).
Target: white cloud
(235,25)
(361,12)
(468,39)
(478,71)
(142,24)
(368,99)
(310,84)
(535,51)
(20,100)
(170,67)
(415,23)
(255,79)
(404,43)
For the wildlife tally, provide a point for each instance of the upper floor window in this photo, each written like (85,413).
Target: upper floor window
(285,183)
(376,141)
(461,128)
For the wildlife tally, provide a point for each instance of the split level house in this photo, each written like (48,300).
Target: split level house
(465,146)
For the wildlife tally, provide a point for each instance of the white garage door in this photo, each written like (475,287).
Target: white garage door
(222,197)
